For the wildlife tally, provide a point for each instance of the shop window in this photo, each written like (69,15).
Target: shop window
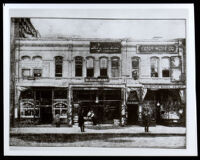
(115,67)
(37,72)
(90,67)
(58,66)
(60,108)
(135,67)
(27,109)
(78,66)
(176,68)
(26,73)
(103,67)
(165,67)
(154,66)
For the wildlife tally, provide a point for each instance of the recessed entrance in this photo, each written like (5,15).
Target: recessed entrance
(132,113)
(45,115)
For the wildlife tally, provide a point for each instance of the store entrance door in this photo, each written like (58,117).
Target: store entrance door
(132,113)
(45,115)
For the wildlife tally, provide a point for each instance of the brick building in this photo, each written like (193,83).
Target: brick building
(114,77)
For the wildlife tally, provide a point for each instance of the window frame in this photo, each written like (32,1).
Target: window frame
(102,68)
(158,67)
(22,71)
(58,74)
(78,66)
(90,68)
(113,67)
(135,69)
(166,57)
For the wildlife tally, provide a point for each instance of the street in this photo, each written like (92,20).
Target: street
(102,141)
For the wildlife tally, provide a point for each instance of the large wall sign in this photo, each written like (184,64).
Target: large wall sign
(156,48)
(105,47)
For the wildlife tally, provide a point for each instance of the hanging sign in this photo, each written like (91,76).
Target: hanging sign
(105,47)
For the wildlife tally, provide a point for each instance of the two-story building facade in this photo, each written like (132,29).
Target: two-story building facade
(114,77)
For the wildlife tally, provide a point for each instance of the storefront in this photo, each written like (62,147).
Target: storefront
(105,103)
(39,105)
(166,106)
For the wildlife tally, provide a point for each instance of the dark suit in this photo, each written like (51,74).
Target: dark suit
(146,121)
(81,122)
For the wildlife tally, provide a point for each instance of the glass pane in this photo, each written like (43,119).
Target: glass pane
(90,63)
(25,72)
(103,72)
(176,74)
(175,61)
(115,72)
(90,72)
(115,63)
(103,63)
(154,67)
(37,72)
(135,63)
(165,63)
(58,60)
(78,71)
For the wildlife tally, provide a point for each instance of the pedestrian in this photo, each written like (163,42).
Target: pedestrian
(81,121)
(146,119)
(92,116)
(57,118)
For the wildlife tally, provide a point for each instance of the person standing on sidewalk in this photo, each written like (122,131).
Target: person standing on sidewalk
(92,116)
(146,119)
(57,120)
(81,120)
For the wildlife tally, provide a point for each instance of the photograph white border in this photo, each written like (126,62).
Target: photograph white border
(147,11)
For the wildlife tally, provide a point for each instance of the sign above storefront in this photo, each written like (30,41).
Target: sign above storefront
(105,47)
(156,48)
(96,80)
(162,86)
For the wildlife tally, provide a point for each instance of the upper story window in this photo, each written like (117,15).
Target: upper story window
(37,72)
(135,67)
(154,66)
(78,66)
(90,67)
(26,73)
(115,66)
(165,63)
(176,68)
(103,67)
(58,66)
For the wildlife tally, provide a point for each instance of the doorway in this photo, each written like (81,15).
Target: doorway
(45,115)
(132,114)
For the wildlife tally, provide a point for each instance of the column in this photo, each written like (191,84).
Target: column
(69,106)
(123,107)
(96,68)
(84,68)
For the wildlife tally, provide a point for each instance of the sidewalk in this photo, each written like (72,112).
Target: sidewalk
(101,129)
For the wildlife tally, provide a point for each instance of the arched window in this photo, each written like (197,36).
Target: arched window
(58,66)
(154,66)
(25,58)
(90,67)
(165,62)
(37,58)
(103,67)
(78,66)
(135,67)
(115,66)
